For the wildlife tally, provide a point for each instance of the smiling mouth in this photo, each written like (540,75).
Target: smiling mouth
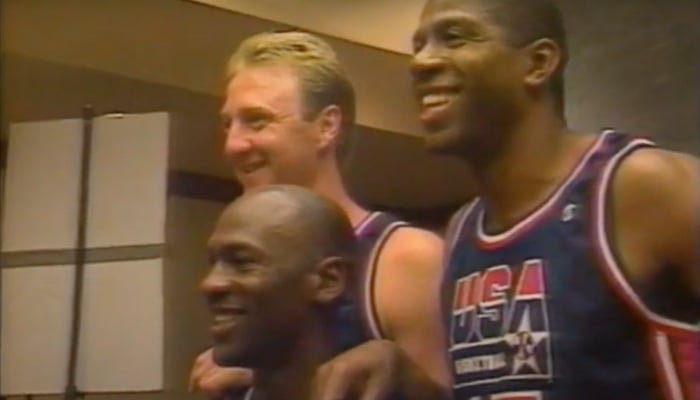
(435,108)
(435,99)
(251,167)
(225,320)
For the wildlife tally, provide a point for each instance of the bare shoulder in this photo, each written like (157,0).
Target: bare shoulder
(409,267)
(410,247)
(661,179)
(407,296)
(654,168)
(656,200)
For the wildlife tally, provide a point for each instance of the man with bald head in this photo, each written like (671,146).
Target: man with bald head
(288,117)
(280,259)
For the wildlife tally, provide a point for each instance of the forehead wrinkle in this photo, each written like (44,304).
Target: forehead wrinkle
(264,84)
(475,13)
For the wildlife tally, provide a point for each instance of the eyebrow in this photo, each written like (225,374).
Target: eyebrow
(446,19)
(459,19)
(232,244)
(246,110)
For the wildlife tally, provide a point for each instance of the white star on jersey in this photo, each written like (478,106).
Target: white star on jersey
(524,342)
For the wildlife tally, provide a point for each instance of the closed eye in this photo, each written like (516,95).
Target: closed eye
(256,118)
(456,30)
(253,119)
(235,253)
(453,36)
(236,259)
(256,124)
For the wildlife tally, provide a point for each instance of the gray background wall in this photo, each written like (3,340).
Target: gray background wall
(635,66)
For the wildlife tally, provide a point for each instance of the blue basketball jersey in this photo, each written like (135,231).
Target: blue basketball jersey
(357,319)
(544,311)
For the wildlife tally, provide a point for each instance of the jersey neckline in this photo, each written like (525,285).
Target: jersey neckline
(499,239)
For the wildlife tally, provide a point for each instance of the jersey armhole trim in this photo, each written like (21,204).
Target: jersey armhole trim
(369,306)
(249,394)
(608,262)
(455,227)
(665,366)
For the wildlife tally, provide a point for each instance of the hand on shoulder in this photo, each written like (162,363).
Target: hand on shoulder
(217,382)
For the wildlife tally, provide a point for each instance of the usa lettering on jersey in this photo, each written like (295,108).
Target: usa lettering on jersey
(500,328)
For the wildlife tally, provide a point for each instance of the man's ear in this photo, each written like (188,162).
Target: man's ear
(331,280)
(544,59)
(329,122)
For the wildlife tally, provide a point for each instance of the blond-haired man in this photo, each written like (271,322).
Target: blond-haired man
(288,111)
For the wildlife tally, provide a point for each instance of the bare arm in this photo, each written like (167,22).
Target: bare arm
(656,209)
(408,299)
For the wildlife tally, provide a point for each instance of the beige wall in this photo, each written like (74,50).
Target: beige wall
(39,90)
(629,68)
(35,89)
(189,224)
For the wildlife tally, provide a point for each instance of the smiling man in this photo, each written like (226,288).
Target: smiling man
(288,114)
(574,274)
(280,259)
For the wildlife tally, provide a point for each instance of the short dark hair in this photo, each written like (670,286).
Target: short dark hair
(525,21)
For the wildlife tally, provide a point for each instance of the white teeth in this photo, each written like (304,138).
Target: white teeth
(225,318)
(221,318)
(434,99)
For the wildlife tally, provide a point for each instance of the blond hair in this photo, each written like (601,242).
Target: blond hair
(322,79)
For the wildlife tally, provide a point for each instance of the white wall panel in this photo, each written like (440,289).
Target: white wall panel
(121,346)
(41,186)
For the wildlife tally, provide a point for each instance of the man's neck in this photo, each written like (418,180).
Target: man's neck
(535,158)
(292,380)
(329,183)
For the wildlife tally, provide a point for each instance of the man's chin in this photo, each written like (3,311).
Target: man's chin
(227,356)
(442,142)
(255,180)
